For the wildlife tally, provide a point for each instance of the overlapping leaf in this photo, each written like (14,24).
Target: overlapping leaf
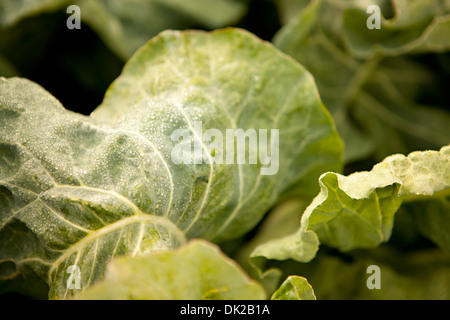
(77,190)
(196,271)
(294,288)
(358,211)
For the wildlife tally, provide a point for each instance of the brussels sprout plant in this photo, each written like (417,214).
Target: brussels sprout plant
(308,159)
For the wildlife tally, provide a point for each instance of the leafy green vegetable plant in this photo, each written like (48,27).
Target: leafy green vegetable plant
(95,207)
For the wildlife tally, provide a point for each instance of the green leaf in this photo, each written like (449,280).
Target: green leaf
(358,211)
(196,271)
(373,89)
(77,190)
(294,288)
(199,69)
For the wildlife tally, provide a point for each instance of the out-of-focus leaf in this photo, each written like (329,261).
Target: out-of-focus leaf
(294,288)
(125,25)
(196,271)
(358,211)
(422,275)
(372,100)
(432,219)
(417,26)
(199,69)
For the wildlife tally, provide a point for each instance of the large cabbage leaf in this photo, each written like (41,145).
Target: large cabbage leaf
(78,190)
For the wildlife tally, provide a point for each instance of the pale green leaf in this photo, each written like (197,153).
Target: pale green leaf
(294,288)
(196,271)
(417,26)
(77,190)
(270,92)
(358,211)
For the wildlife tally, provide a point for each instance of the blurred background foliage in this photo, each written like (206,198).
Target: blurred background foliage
(387,90)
